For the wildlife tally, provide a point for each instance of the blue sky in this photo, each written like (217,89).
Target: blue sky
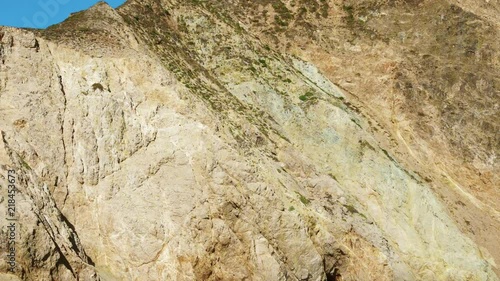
(43,13)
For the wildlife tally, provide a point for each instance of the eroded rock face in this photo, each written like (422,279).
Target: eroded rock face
(164,141)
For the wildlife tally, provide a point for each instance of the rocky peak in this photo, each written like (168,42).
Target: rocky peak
(98,27)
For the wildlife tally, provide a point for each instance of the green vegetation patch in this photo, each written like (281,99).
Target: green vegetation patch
(307,96)
(303,199)
(263,62)
(349,10)
(25,165)
(353,210)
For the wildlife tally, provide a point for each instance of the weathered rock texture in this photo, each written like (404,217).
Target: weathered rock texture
(255,140)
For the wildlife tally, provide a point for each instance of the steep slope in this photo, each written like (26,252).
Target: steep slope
(166,141)
(425,72)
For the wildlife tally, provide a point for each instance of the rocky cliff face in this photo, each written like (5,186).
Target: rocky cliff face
(254,140)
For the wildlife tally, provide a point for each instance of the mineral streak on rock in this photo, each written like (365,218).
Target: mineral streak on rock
(254,140)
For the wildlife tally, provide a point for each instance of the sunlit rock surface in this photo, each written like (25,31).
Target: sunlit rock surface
(254,140)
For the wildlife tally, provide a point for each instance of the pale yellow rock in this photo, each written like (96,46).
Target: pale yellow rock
(145,149)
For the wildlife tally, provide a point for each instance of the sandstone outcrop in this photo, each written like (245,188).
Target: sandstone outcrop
(201,140)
